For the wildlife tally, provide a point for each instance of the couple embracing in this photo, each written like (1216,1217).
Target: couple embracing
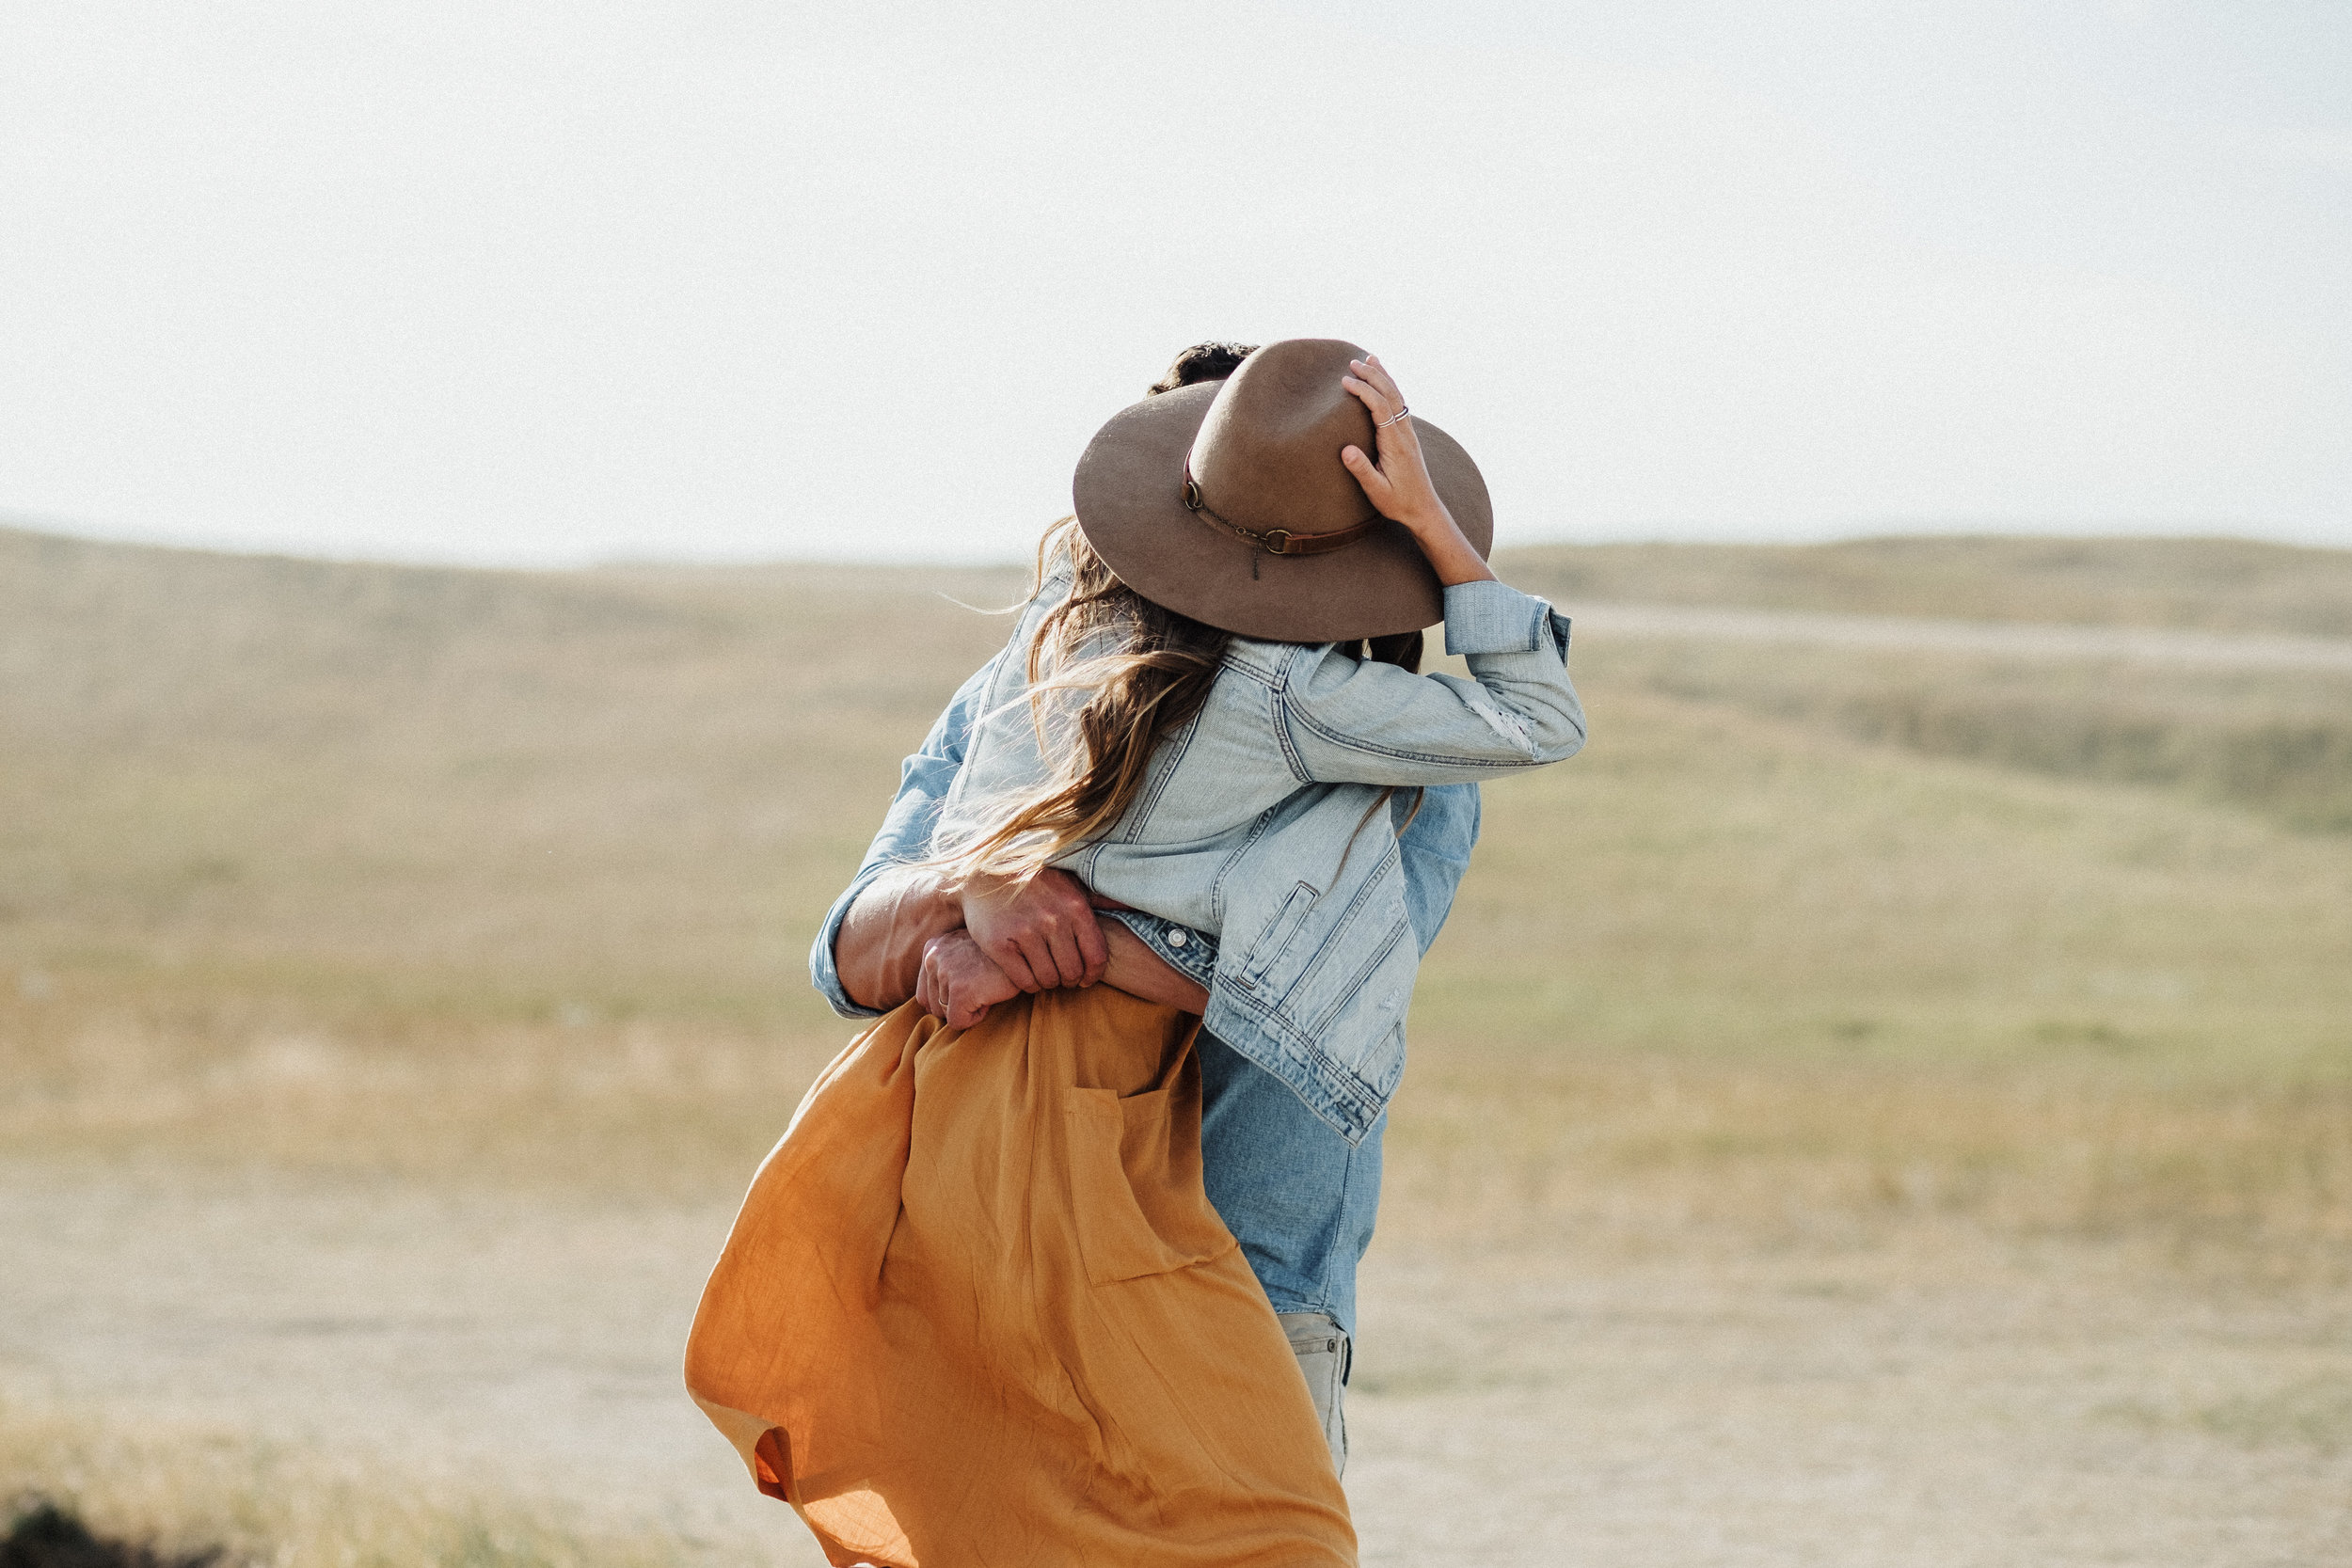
(1055,1263)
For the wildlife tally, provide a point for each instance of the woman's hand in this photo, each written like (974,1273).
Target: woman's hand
(957,983)
(1042,932)
(1398,486)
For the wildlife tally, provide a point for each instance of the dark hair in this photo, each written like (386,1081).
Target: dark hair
(1202,362)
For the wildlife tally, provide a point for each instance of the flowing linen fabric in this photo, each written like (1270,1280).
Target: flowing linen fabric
(977,1311)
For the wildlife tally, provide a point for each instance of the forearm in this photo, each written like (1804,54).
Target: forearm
(1139,972)
(879,952)
(880,948)
(1452,557)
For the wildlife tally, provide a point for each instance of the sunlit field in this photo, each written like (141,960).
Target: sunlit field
(1854,971)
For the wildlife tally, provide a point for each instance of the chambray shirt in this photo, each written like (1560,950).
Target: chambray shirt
(1256,824)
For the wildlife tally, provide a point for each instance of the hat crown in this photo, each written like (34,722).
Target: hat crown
(1268,455)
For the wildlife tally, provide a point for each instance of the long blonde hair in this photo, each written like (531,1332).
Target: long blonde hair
(1148,683)
(1145,671)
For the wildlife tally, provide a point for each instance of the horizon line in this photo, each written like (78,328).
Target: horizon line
(1856,533)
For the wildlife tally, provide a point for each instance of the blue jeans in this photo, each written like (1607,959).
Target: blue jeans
(1296,1196)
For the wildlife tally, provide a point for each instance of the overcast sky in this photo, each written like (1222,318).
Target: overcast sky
(711,279)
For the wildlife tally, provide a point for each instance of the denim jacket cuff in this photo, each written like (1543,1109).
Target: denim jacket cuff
(823,971)
(1495,618)
(1182,948)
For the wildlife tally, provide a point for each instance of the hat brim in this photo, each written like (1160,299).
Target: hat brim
(1129,497)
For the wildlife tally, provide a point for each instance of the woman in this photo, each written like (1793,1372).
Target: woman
(978,1307)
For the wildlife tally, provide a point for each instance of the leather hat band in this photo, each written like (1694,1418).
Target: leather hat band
(1275,541)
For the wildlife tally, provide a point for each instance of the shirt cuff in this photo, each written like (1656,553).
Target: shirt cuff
(1182,948)
(823,971)
(1489,617)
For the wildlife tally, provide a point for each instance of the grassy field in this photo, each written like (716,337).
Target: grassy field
(2213,584)
(202,1497)
(503,881)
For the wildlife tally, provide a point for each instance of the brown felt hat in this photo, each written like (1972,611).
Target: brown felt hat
(1227,501)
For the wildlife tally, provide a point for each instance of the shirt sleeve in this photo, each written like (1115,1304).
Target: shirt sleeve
(1434,848)
(906,831)
(1345,720)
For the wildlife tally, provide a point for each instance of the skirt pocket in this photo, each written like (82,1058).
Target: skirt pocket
(1137,1199)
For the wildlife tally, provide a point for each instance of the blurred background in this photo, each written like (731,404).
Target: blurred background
(488,492)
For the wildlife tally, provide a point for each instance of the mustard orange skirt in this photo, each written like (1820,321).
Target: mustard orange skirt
(977,1311)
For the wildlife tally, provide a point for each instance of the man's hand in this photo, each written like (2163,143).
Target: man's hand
(879,947)
(1041,933)
(957,983)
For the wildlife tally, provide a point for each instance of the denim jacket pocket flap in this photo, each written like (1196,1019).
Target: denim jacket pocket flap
(1279,931)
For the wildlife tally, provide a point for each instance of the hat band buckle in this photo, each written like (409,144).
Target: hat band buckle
(1273,541)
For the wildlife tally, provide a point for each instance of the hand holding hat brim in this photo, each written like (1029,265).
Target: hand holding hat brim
(1398,486)
(1256,443)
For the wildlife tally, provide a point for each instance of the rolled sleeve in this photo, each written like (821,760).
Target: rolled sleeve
(905,835)
(824,973)
(1492,617)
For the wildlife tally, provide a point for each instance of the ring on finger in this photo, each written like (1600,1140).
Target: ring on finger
(1401,411)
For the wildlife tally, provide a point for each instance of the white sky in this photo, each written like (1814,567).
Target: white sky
(712,279)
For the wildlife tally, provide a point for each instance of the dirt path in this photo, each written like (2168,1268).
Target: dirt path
(1867,1414)
(2000,639)
(1940,1409)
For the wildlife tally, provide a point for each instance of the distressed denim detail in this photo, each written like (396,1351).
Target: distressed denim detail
(1518,736)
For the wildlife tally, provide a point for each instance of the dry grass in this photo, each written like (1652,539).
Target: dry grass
(1675,1156)
(2277,743)
(655,1111)
(462,876)
(2215,584)
(262,1505)
(503,881)
(1736,979)
(504,878)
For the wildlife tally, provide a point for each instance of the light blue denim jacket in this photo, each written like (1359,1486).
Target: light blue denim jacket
(1436,829)
(1257,823)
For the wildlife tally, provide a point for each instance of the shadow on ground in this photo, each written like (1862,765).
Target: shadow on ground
(43,1535)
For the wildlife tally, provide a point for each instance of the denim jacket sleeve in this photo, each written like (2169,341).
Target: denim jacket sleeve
(924,780)
(1346,722)
(906,830)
